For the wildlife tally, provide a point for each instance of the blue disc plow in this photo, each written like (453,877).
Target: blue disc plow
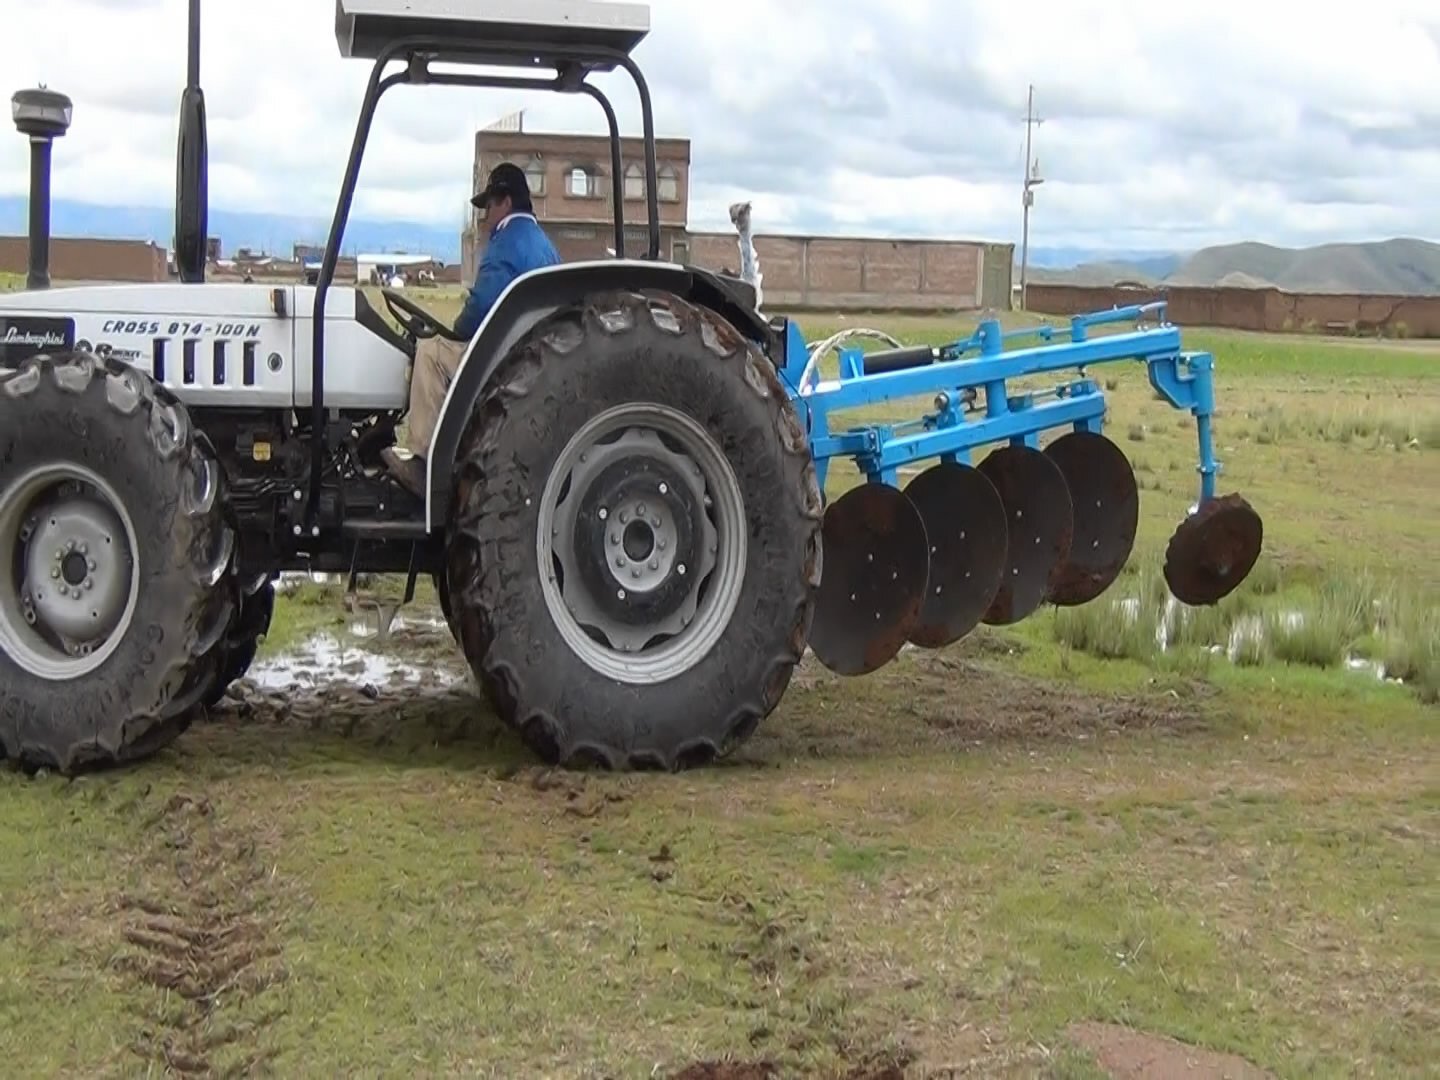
(960,544)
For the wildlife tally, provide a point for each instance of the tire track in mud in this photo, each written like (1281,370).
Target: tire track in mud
(199,936)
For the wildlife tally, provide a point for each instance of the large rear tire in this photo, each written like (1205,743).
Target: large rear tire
(113,551)
(642,429)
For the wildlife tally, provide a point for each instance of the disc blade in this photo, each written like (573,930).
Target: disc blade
(1106,503)
(873,581)
(1213,550)
(965,524)
(1039,519)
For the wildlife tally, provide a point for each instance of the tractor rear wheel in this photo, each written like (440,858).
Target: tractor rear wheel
(635,545)
(113,552)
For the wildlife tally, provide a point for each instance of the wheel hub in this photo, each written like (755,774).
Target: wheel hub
(647,546)
(69,572)
(635,541)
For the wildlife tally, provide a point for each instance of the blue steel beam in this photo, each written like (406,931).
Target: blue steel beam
(982,363)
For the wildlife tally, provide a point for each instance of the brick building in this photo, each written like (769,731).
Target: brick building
(86,259)
(570,183)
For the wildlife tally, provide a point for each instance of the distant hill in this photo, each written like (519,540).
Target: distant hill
(1402,267)
(1099,274)
(273,234)
(1399,267)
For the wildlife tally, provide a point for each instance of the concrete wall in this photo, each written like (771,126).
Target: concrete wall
(80,259)
(840,273)
(1257,309)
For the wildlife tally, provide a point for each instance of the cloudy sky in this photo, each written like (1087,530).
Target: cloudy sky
(1167,125)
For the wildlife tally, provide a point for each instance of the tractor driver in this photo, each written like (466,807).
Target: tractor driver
(516,246)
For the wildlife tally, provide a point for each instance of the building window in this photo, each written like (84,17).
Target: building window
(634,182)
(535,176)
(580,183)
(669,186)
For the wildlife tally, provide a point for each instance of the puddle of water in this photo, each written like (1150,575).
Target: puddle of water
(1247,633)
(324,658)
(367,628)
(291,580)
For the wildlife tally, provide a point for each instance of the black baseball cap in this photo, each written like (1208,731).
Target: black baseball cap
(505,179)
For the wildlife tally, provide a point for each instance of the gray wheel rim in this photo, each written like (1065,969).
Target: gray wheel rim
(707,573)
(69,578)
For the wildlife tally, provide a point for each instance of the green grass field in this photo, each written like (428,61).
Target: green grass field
(958,862)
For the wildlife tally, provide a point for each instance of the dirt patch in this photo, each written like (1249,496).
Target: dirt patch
(991,704)
(967,696)
(765,1070)
(728,1070)
(199,945)
(1134,1055)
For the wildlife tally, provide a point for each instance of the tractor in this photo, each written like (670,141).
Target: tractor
(625,513)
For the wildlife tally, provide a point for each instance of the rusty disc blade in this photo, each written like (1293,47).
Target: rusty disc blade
(965,524)
(1106,503)
(1213,550)
(873,581)
(1039,521)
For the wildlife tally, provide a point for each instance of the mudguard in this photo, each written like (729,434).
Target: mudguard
(538,294)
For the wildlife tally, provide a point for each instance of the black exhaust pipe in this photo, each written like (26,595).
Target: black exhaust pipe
(192,182)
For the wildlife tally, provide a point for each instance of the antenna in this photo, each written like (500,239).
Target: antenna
(1027,198)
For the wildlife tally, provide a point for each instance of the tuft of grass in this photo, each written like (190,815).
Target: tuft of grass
(1319,623)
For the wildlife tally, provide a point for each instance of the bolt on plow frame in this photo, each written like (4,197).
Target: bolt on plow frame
(623,509)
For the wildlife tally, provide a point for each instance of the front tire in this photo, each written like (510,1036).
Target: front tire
(113,548)
(644,431)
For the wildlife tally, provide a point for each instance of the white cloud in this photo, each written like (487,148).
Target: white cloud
(1166,125)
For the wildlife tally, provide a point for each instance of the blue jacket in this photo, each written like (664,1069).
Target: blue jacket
(517,245)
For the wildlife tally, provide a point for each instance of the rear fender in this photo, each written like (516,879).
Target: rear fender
(535,296)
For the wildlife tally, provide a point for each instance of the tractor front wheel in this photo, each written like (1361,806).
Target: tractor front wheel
(636,539)
(114,551)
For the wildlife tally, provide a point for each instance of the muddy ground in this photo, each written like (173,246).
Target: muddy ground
(352,677)
(827,911)
(356,681)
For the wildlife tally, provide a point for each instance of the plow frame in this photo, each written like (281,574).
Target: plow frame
(971,376)
(966,543)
